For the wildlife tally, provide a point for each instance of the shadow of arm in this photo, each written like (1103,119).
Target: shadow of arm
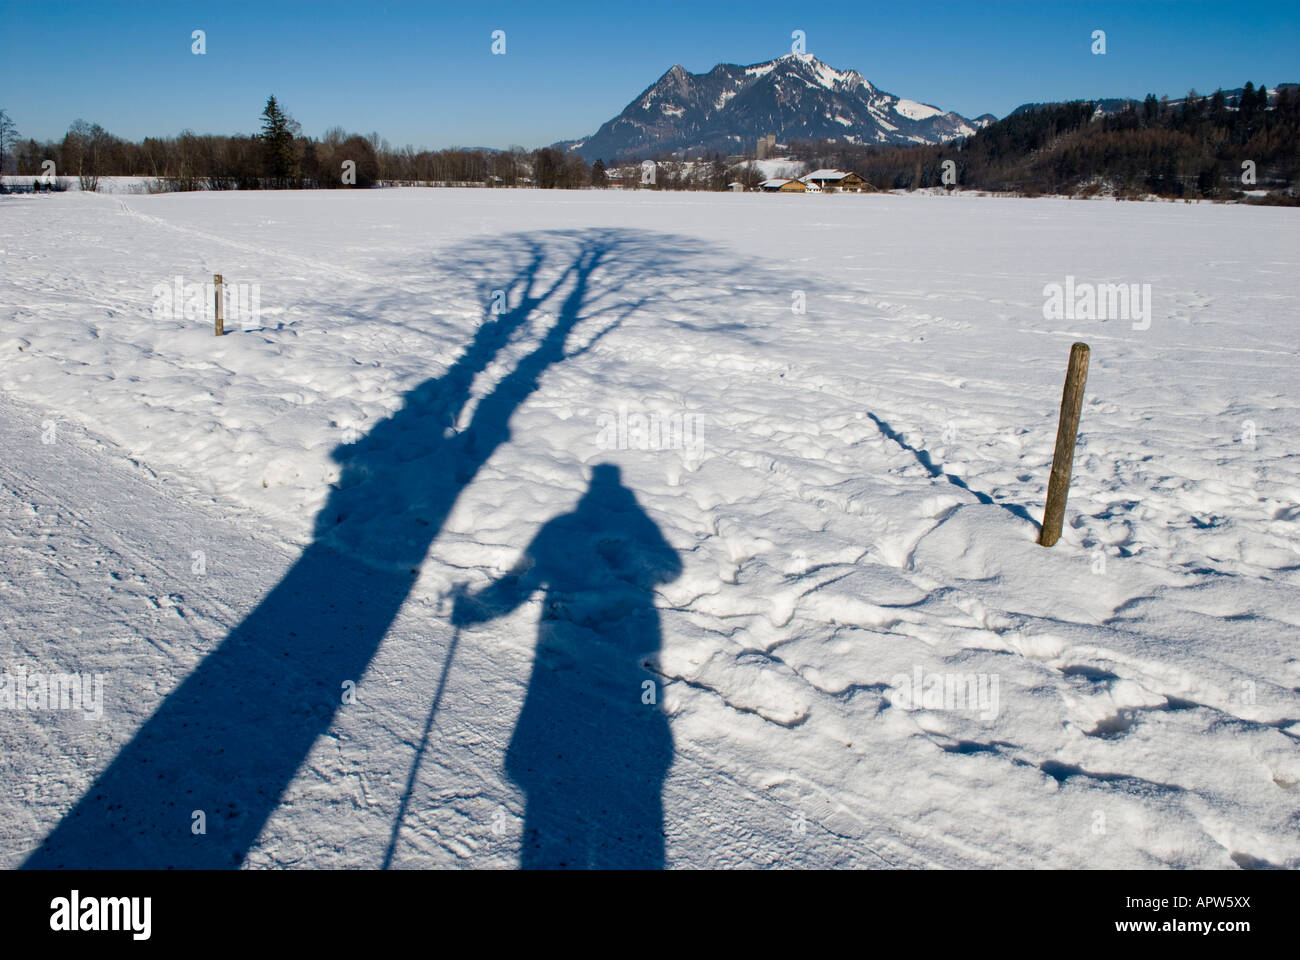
(496,599)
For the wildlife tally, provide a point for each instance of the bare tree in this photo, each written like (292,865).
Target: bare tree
(84,147)
(8,135)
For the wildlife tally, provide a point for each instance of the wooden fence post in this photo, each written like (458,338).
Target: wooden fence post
(216,296)
(1067,429)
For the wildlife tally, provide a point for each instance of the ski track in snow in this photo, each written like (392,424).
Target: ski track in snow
(859,508)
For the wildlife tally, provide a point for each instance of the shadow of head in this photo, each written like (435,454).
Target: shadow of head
(606,481)
(610,537)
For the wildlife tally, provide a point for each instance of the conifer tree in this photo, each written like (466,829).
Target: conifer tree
(277,143)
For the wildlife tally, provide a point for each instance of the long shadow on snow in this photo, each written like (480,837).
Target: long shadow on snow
(230,738)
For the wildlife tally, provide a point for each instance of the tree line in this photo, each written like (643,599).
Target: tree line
(1216,146)
(277,157)
(281,157)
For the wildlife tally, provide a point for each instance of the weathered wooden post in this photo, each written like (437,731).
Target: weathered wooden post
(1067,429)
(216,297)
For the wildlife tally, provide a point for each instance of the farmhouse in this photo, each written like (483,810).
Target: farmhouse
(832,181)
(780,185)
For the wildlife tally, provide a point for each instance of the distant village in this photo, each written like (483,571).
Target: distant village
(819,181)
(826,180)
(767,171)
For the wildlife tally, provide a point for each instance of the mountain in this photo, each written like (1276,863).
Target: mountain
(795,97)
(1105,106)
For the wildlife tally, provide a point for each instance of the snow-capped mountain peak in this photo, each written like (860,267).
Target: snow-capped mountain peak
(795,96)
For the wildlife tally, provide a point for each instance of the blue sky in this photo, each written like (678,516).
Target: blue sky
(424,74)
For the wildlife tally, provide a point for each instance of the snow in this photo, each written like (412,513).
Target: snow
(848,526)
(881,121)
(916,111)
(813,73)
(777,168)
(829,77)
(823,75)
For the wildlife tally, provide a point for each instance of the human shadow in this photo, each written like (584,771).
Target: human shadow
(591,746)
(196,784)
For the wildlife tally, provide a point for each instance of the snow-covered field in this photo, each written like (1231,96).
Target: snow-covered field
(259,542)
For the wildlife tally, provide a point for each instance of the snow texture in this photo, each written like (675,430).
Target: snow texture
(711,557)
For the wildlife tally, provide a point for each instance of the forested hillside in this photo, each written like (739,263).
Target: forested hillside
(1195,147)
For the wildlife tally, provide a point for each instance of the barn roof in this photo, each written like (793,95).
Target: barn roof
(828,174)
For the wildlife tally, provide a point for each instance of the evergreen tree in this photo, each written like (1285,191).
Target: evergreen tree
(598,175)
(1283,106)
(1219,109)
(1247,105)
(277,143)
